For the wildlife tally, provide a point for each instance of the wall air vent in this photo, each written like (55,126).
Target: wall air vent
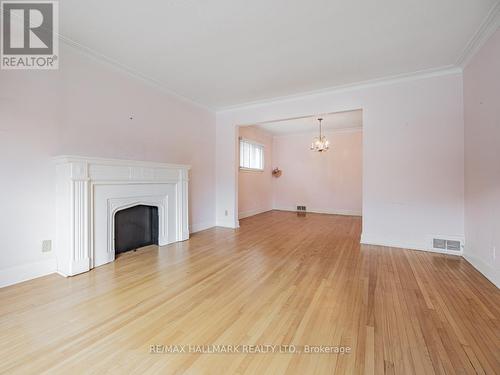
(438,243)
(447,244)
(453,245)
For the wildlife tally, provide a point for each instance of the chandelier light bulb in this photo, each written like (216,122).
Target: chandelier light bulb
(321,143)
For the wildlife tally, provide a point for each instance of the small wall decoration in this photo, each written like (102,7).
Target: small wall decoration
(276,172)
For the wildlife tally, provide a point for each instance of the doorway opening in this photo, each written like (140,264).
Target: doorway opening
(282,168)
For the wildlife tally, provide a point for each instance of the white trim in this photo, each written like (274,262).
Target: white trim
(489,25)
(322,211)
(228,224)
(382,81)
(257,146)
(25,272)
(103,59)
(79,266)
(79,245)
(243,169)
(355,129)
(324,114)
(249,213)
(367,240)
(485,269)
(198,227)
(63,159)
(251,141)
(158,85)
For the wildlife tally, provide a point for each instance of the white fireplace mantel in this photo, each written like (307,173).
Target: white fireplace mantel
(89,192)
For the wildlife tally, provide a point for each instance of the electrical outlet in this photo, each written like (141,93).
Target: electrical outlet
(226,213)
(46,246)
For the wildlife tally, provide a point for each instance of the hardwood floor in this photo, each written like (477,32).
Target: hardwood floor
(278,280)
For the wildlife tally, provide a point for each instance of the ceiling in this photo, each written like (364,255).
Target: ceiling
(223,53)
(332,121)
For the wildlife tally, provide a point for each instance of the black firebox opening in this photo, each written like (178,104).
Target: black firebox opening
(136,227)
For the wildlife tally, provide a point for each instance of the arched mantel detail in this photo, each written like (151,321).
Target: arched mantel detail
(89,191)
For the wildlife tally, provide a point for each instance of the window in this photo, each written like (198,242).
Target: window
(251,155)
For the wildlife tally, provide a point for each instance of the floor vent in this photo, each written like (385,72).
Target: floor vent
(446,244)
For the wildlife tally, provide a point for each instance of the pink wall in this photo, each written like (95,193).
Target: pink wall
(84,109)
(329,182)
(255,188)
(482,159)
(413,154)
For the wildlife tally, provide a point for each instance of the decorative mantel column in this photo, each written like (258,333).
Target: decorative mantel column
(89,192)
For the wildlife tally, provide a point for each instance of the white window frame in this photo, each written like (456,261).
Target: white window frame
(255,145)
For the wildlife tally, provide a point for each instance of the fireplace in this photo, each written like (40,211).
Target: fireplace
(136,227)
(107,206)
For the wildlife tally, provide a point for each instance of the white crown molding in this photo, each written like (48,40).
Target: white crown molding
(427,73)
(489,25)
(129,71)
(382,81)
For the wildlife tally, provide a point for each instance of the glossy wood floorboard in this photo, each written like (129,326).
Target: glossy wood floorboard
(279,279)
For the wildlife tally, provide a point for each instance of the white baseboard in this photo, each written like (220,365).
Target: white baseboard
(485,269)
(228,224)
(322,211)
(249,213)
(79,266)
(61,273)
(198,227)
(24,272)
(397,243)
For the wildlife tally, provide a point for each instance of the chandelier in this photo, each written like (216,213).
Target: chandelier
(320,143)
